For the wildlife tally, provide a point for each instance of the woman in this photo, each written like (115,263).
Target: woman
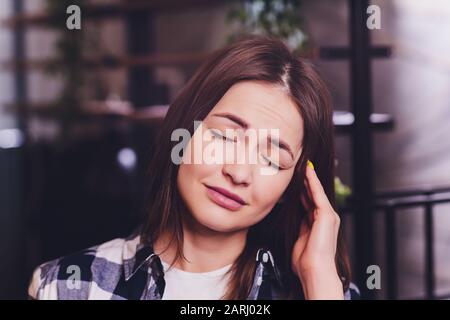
(228,229)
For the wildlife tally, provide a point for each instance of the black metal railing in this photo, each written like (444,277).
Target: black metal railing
(390,203)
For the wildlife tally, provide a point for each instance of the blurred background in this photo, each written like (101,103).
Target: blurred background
(79,110)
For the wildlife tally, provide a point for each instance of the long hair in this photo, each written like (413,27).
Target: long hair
(256,58)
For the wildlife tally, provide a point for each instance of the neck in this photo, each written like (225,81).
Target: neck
(205,249)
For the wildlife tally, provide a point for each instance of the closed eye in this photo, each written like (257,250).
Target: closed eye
(218,134)
(272,164)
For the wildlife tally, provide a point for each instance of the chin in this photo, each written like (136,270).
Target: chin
(222,228)
(220,221)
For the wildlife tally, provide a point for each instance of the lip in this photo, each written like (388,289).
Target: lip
(225,198)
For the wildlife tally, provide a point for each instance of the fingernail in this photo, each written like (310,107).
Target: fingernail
(310,164)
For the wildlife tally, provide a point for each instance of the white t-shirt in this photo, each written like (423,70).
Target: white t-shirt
(183,285)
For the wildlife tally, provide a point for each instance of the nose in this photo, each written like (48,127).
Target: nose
(238,173)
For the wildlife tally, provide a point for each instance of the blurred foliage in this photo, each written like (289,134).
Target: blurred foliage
(342,192)
(72,47)
(69,53)
(279,18)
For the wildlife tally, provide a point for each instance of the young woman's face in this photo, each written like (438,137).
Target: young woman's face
(256,105)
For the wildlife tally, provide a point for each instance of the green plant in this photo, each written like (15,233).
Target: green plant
(342,192)
(68,64)
(69,54)
(279,18)
(71,64)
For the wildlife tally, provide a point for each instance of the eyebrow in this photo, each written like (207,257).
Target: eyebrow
(239,121)
(242,123)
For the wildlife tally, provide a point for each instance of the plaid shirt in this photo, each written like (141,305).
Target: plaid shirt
(123,269)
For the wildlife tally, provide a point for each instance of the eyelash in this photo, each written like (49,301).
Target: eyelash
(271,164)
(218,135)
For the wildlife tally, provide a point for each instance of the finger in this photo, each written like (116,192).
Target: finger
(337,228)
(309,209)
(317,192)
(323,234)
(304,198)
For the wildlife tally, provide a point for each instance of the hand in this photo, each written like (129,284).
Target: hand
(313,254)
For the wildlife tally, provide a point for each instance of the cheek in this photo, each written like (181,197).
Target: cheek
(192,166)
(196,155)
(269,189)
(190,175)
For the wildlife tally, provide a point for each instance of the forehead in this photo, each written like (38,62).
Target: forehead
(264,106)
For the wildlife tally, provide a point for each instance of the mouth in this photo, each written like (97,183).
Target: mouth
(225,198)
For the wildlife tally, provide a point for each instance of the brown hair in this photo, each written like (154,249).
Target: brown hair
(256,58)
